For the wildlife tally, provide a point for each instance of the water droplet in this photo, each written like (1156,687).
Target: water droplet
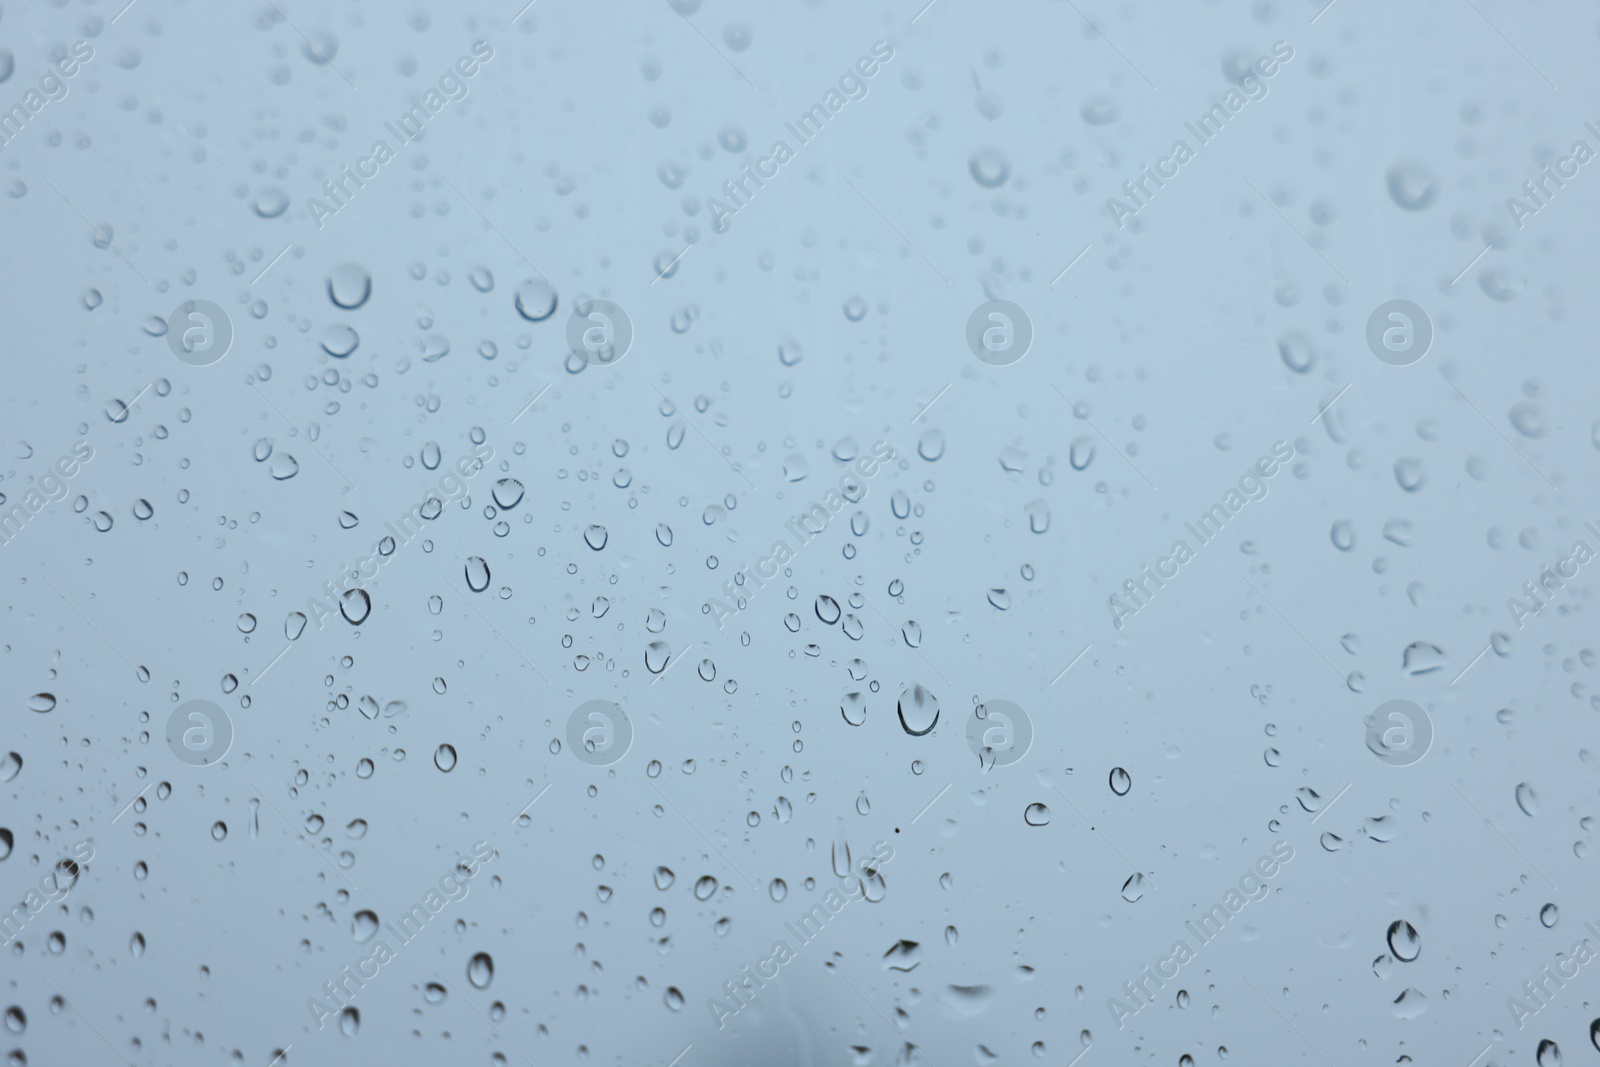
(480,970)
(1121,781)
(444,758)
(1527,800)
(1404,941)
(989,168)
(918,710)
(477,571)
(1411,186)
(339,340)
(536,300)
(1036,814)
(349,285)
